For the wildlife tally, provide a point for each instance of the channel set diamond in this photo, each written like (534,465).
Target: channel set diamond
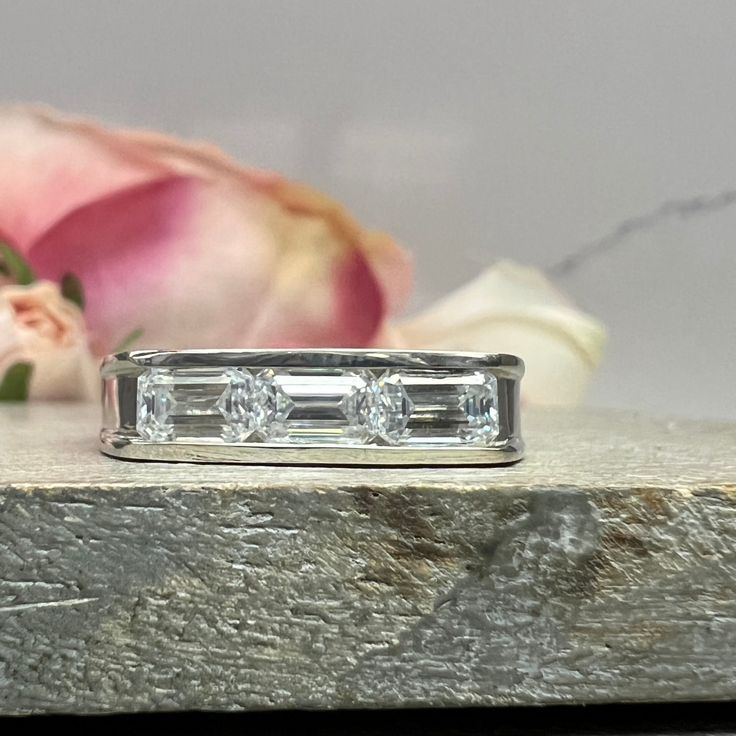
(318,406)
(200,404)
(455,408)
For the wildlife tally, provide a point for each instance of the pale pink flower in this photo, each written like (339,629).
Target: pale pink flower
(40,327)
(178,240)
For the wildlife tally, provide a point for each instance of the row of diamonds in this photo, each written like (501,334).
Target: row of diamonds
(317,406)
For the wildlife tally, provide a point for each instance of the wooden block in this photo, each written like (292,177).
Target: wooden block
(601,568)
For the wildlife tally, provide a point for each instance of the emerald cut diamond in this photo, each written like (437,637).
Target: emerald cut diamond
(316,407)
(451,408)
(198,404)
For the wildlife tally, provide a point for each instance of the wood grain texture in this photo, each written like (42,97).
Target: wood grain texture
(600,569)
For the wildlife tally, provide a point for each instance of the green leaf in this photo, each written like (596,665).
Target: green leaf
(15,383)
(71,289)
(129,340)
(14,265)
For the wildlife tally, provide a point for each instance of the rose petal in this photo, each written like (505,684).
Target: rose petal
(512,309)
(393,266)
(180,241)
(52,165)
(197,265)
(122,248)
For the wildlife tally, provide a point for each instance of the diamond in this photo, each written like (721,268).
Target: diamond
(317,406)
(451,408)
(197,404)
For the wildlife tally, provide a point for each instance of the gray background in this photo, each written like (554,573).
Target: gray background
(470,130)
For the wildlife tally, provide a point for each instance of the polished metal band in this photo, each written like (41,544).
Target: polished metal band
(322,407)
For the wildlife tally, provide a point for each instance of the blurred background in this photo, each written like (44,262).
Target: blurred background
(595,140)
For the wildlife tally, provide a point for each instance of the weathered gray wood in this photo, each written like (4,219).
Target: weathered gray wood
(601,568)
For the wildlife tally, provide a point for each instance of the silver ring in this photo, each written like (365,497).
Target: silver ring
(323,407)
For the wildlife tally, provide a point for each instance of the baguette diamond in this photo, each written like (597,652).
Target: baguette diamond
(315,407)
(336,407)
(451,408)
(318,406)
(200,404)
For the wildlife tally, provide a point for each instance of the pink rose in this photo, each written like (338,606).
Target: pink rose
(40,327)
(180,241)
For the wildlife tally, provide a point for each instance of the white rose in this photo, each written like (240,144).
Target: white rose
(513,309)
